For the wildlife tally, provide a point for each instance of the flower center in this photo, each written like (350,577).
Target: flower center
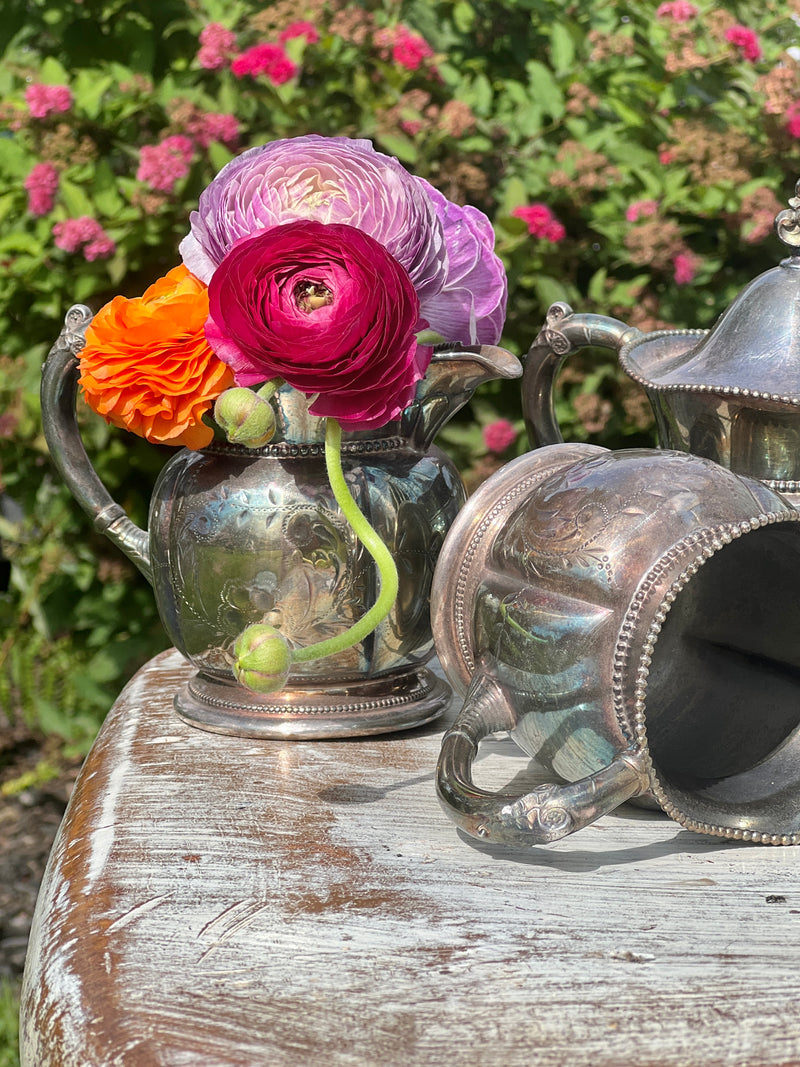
(310,295)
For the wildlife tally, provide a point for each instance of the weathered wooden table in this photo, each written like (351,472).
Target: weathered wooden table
(215,901)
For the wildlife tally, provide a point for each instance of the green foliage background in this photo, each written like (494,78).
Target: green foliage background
(588,108)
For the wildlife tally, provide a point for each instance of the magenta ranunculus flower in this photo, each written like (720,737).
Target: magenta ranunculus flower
(327,179)
(471,307)
(328,309)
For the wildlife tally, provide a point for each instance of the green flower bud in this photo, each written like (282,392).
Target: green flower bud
(262,658)
(244,417)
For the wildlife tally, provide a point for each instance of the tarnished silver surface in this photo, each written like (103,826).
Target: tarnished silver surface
(633,618)
(239,536)
(731,394)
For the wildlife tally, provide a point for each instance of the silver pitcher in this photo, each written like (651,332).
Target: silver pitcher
(633,618)
(239,536)
(731,394)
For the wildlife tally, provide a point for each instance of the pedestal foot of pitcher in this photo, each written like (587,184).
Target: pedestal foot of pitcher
(304,712)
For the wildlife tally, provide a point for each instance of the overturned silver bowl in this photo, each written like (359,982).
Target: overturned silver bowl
(633,619)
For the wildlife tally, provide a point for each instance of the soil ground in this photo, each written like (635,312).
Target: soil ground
(29,820)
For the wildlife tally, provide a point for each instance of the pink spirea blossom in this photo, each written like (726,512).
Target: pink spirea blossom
(303,29)
(83,234)
(745,40)
(217,46)
(793,119)
(267,59)
(162,165)
(677,10)
(685,265)
(541,222)
(666,156)
(44,100)
(41,186)
(409,49)
(641,209)
(101,248)
(499,435)
(211,126)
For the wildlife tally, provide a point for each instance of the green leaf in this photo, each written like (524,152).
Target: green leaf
(450,74)
(562,50)
(52,73)
(544,89)
(15,161)
(402,147)
(75,199)
(84,286)
(21,242)
(89,87)
(476,143)
(714,199)
(596,290)
(6,204)
(549,290)
(630,116)
(219,155)
(105,195)
(117,268)
(463,16)
(514,195)
(478,94)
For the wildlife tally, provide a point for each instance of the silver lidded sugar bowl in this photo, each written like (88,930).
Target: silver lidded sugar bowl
(632,619)
(731,394)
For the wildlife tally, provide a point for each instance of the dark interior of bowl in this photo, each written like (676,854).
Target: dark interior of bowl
(723,694)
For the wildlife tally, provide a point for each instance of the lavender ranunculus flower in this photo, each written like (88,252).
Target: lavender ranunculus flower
(471,307)
(323,179)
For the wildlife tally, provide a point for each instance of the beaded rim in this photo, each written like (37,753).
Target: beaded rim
(699,548)
(288,449)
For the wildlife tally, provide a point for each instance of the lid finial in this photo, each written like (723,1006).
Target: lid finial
(787,222)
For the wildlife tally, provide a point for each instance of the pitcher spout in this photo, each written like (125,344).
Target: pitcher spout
(454,374)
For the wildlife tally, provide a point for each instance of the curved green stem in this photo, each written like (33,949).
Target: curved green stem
(373,544)
(270,388)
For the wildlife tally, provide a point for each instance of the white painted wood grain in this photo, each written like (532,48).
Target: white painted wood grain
(218,901)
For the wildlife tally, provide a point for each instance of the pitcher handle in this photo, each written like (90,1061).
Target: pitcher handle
(563,333)
(544,815)
(58,395)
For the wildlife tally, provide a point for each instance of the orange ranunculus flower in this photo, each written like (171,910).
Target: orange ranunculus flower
(147,366)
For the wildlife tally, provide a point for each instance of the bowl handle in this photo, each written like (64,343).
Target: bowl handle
(563,333)
(540,817)
(58,394)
